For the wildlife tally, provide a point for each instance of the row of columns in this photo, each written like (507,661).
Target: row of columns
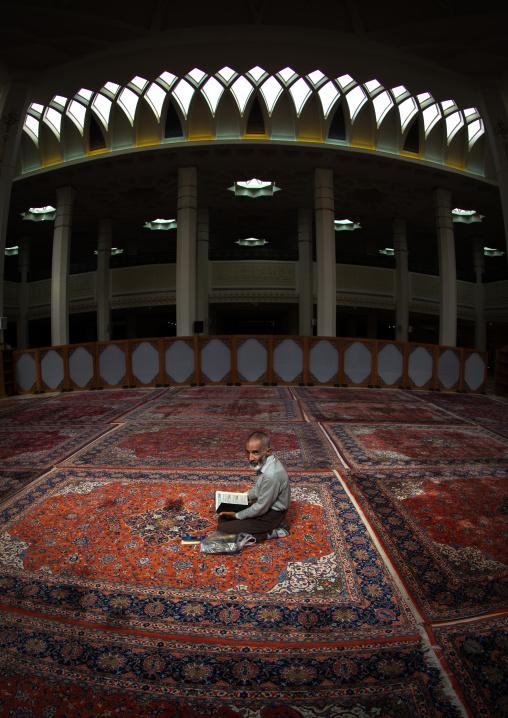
(192,267)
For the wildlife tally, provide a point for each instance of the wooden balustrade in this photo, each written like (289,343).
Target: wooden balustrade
(250,360)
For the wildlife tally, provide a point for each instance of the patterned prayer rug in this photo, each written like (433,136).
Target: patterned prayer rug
(400,445)
(104,547)
(72,670)
(379,396)
(12,481)
(391,412)
(86,408)
(17,402)
(477,654)
(446,532)
(44,446)
(232,392)
(484,414)
(214,445)
(202,409)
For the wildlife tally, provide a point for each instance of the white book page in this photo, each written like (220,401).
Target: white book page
(230,497)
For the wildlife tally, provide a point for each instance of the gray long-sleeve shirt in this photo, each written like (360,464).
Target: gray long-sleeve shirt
(271,491)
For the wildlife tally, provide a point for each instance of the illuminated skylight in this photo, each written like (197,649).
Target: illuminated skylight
(407,111)
(431,116)
(300,92)
(271,90)
(155,97)
(36,108)
(448,106)
(242,90)
(139,82)
(163,224)
(40,214)
(382,104)
(345,82)
(328,94)
(286,75)
(77,112)
(372,86)
(453,124)
(316,77)
(196,76)
(102,106)
(53,119)
(112,87)
(183,94)
(11,251)
(251,242)
(31,127)
(257,73)
(85,94)
(399,92)
(226,74)
(424,98)
(254,188)
(470,112)
(166,79)
(356,99)
(346,225)
(474,131)
(212,90)
(60,101)
(128,101)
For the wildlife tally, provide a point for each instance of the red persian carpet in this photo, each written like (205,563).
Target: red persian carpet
(446,531)
(400,445)
(79,409)
(103,612)
(217,445)
(221,409)
(232,392)
(342,395)
(363,411)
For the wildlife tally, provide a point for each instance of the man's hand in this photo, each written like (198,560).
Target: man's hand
(231,514)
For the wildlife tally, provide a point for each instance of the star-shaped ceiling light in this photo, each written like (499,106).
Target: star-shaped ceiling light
(164,224)
(39,214)
(254,188)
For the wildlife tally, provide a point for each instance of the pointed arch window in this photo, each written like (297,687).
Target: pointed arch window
(407,110)
(31,127)
(271,90)
(128,101)
(102,106)
(356,98)
(155,96)
(475,130)
(382,104)
(183,94)
(328,95)
(77,113)
(226,74)
(212,91)
(242,90)
(431,116)
(454,123)
(53,119)
(300,92)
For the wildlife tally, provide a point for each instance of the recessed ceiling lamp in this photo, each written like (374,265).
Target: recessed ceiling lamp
(254,188)
(346,225)
(490,252)
(161,224)
(389,251)
(466,216)
(251,242)
(40,214)
(11,251)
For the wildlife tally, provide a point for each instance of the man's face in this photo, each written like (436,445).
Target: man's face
(256,454)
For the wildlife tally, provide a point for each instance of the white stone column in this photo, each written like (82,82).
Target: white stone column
(480,334)
(186,251)
(305,293)
(104,280)
(494,110)
(401,280)
(447,268)
(60,267)
(325,252)
(14,101)
(203,268)
(23,267)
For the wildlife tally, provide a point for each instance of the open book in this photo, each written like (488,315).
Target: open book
(230,501)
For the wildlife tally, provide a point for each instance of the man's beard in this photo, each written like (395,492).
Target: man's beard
(256,465)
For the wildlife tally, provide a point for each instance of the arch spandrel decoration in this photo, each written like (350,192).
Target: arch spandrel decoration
(145,362)
(52,369)
(251,359)
(81,366)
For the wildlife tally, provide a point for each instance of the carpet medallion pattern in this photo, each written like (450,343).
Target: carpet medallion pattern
(217,445)
(446,531)
(24,446)
(107,548)
(477,653)
(400,445)
(203,409)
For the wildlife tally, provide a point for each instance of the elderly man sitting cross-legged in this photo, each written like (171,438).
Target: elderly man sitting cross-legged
(271,495)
